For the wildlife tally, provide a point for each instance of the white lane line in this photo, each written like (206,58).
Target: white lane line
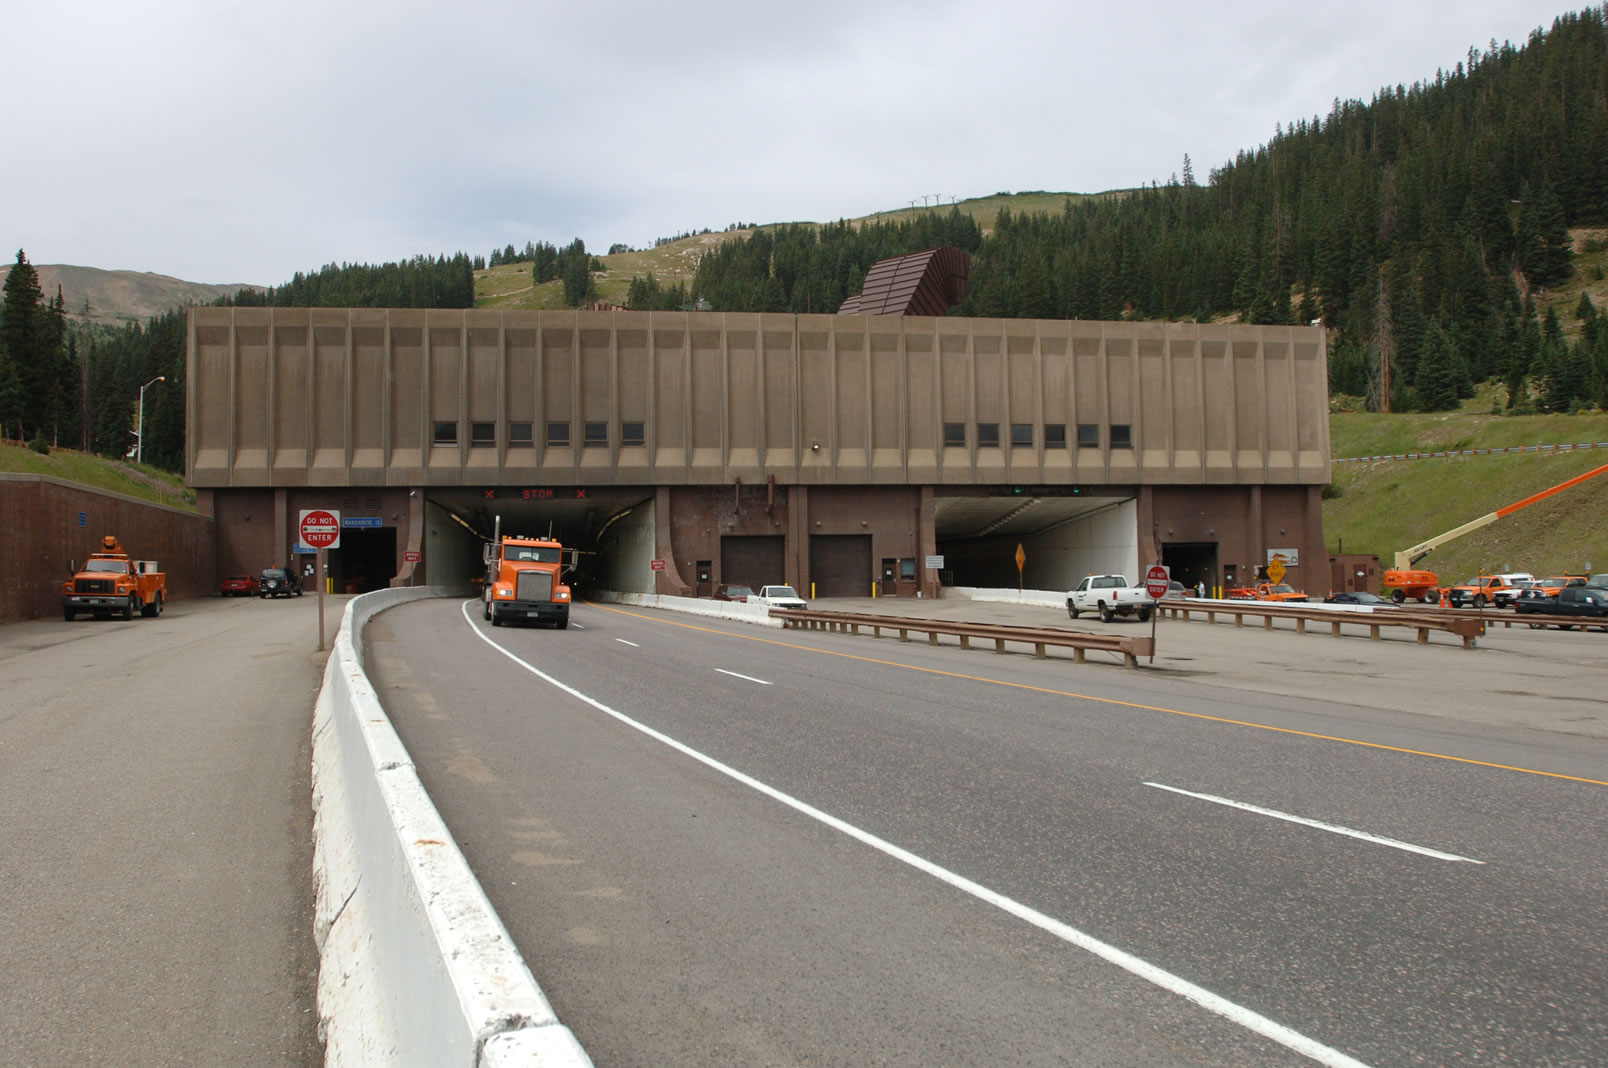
(577,626)
(750,678)
(633,645)
(1252,1021)
(1334,827)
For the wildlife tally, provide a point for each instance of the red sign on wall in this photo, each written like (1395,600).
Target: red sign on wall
(412,556)
(656,565)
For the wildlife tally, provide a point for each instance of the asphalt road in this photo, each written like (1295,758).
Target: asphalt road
(719,844)
(156,846)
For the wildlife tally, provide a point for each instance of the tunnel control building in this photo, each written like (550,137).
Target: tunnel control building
(844,454)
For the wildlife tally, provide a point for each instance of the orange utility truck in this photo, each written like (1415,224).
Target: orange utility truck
(110,583)
(524,580)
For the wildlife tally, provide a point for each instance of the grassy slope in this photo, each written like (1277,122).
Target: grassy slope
(132,480)
(1389,505)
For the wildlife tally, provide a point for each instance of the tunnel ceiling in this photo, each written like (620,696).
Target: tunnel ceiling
(573,520)
(963,517)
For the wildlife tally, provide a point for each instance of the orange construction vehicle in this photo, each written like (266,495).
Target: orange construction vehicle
(524,580)
(110,583)
(1402,582)
(1266,591)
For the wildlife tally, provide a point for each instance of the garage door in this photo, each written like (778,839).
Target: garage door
(758,561)
(840,565)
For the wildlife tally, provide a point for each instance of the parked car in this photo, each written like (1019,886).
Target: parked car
(1362,597)
(733,591)
(1177,590)
(278,582)
(1111,596)
(779,597)
(1480,591)
(1600,579)
(1552,585)
(1267,591)
(238,586)
(1584,601)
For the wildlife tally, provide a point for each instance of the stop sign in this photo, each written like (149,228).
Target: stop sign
(1157,579)
(320,529)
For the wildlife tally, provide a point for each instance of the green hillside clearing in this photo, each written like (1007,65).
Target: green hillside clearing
(101,472)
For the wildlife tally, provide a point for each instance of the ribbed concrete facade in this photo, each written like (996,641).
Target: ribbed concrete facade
(331,398)
(335,397)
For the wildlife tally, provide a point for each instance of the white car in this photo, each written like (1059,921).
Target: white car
(779,597)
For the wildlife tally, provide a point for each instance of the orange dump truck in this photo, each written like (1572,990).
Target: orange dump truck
(110,583)
(524,582)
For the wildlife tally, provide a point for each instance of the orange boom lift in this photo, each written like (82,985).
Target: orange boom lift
(1402,582)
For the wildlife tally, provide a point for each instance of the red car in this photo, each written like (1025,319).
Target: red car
(238,586)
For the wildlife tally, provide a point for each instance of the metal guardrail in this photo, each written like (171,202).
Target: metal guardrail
(1468,628)
(1130,647)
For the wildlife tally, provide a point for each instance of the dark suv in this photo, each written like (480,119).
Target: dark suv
(278,582)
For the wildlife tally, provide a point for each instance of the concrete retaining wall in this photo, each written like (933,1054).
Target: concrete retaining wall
(415,967)
(50,524)
(694,606)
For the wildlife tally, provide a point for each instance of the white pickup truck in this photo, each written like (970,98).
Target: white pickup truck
(778,597)
(1111,596)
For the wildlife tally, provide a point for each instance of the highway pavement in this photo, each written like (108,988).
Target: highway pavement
(156,847)
(722,844)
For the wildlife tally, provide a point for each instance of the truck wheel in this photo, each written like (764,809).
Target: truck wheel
(1479,600)
(563,624)
(1399,596)
(496,620)
(128,609)
(1431,597)
(69,614)
(1106,615)
(154,609)
(1071,612)
(486,607)
(1144,615)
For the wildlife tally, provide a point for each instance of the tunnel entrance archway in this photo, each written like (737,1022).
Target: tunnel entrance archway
(460,522)
(1065,532)
(365,561)
(1192,563)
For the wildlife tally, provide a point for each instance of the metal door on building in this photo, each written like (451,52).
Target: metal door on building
(888,585)
(758,560)
(705,579)
(840,565)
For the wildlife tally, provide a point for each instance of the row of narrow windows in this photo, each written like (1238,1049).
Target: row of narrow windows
(484,435)
(1118,435)
(596,434)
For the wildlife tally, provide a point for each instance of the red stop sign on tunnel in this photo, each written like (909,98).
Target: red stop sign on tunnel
(320,529)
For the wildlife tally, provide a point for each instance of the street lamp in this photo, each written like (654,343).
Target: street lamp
(139,435)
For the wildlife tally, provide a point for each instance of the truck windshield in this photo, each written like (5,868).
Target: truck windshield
(106,565)
(780,591)
(531,553)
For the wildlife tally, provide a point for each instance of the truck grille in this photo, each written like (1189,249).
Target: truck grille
(534,586)
(94,585)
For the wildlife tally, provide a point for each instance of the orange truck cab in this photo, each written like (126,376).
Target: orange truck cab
(110,583)
(524,581)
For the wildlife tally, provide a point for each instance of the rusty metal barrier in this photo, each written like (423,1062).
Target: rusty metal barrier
(1468,628)
(1131,648)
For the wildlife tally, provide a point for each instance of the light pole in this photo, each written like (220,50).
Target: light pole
(139,435)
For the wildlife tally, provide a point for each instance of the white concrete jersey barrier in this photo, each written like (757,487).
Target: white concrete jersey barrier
(1042,598)
(415,968)
(696,606)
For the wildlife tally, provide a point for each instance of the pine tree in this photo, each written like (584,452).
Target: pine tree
(25,336)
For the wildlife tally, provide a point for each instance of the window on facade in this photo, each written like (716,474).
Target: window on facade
(595,434)
(954,435)
(988,434)
(446,433)
(482,435)
(519,433)
(633,434)
(1055,435)
(558,434)
(1121,436)
(1021,435)
(1088,436)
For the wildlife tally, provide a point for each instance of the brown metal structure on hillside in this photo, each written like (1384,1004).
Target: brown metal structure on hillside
(922,283)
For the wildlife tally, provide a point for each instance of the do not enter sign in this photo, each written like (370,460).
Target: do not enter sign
(1157,579)
(320,529)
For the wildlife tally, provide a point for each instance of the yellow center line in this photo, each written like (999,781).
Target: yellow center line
(1101,700)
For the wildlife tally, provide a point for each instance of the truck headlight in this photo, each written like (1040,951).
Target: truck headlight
(563,595)
(504,592)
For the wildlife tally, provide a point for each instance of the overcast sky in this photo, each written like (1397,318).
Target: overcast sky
(221,142)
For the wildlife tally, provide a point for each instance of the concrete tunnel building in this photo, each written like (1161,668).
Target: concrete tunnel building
(844,454)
